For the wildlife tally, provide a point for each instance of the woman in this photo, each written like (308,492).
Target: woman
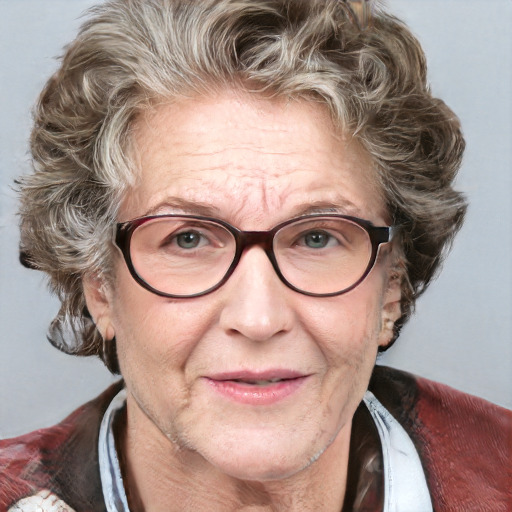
(238,204)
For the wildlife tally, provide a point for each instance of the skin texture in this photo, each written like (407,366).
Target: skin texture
(253,162)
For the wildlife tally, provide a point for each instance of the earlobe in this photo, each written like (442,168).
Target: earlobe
(98,299)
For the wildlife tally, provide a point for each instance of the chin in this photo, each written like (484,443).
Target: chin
(268,461)
(265,470)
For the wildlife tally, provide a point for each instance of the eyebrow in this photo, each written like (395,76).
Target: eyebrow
(342,206)
(180,205)
(183,206)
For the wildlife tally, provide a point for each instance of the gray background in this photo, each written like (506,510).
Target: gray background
(461,333)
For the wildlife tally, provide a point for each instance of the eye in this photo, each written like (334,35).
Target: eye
(318,239)
(189,239)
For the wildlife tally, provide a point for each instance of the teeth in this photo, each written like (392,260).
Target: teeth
(259,382)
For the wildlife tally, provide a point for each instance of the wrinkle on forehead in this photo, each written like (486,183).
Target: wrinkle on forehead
(255,161)
(260,107)
(261,194)
(197,200)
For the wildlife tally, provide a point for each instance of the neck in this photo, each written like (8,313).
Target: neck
(159,476)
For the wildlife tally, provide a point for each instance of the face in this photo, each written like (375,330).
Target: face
(199,371)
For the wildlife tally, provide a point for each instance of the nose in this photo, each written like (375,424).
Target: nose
(257,304)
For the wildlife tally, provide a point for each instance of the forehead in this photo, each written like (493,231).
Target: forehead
(239,157)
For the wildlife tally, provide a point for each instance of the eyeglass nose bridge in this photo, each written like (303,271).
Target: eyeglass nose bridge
(247,239)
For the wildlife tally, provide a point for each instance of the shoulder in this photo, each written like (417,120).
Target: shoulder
(56,463)
(465,442)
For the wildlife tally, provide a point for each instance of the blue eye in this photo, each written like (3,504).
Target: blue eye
(317,239)
(188,239)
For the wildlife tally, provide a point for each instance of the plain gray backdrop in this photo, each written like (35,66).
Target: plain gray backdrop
(461,333)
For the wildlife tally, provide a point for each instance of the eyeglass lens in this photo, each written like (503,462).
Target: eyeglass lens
(184,256)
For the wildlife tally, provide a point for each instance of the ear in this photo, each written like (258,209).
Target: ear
(98,297)
(391,309)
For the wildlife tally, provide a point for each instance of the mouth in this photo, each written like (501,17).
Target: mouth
(260,378)
(257,388)
(259,382)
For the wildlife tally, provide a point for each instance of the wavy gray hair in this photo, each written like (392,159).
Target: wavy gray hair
(360,62)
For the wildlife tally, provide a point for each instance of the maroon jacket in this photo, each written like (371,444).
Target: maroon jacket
(465,445)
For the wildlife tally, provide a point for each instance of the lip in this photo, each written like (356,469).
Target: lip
(236,386)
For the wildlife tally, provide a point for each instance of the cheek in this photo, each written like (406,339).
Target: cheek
(154,332)
(346,328)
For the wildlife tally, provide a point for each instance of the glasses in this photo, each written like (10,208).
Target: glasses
(185,256)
